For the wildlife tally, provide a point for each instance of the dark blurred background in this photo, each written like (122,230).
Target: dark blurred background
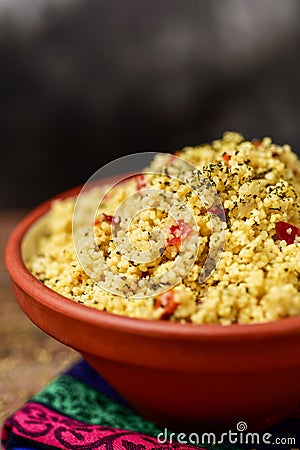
(82,82)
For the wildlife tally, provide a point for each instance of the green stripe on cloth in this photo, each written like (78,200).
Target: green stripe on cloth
(80,401)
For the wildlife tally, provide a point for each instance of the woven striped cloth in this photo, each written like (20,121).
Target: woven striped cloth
(78,410)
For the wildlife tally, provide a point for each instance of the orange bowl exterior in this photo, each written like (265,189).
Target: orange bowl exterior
(181,376)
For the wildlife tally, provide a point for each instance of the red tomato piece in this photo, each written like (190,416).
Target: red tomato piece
(105,218)
(287,232)
(226,158)
(108,218)
(179,231)
(140,182)
(166,301)
(256,142)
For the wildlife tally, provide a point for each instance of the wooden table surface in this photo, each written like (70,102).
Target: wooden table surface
(29,358)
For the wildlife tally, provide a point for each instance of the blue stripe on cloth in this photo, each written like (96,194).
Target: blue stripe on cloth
(85,373)
(23,448)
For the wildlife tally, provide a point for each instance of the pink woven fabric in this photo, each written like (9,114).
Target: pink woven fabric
(37,423)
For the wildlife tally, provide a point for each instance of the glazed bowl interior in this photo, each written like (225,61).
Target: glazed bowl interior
(29,244)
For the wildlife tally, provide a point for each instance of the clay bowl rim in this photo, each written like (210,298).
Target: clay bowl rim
(21,276)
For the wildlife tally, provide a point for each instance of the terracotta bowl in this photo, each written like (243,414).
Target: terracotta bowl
(181,376)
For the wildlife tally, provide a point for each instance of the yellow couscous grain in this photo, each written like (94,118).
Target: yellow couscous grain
(257,278)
